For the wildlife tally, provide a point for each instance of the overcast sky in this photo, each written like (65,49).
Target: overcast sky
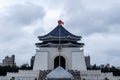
(97,21)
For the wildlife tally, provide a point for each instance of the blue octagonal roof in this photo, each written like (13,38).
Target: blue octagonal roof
(59,32)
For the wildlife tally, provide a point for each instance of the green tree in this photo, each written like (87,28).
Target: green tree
(106,78)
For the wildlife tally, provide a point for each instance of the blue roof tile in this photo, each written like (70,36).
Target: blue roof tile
(59,32)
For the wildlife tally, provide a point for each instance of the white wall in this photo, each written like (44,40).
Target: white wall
(50,54)
(97,75)
(78,61)
(21,75)
(41,60)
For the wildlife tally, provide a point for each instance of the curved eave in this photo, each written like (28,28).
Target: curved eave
(57,38)
(69,36)
(65,44)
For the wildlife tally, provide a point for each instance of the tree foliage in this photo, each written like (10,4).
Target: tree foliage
(5,69)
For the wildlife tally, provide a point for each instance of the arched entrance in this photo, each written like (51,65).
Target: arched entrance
(62,62)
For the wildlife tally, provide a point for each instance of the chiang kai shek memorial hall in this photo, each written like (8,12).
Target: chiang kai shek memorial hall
(59,56)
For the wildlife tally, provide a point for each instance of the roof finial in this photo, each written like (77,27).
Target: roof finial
(60,22)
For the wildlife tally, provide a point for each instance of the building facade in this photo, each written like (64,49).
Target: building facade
(9,61)
(87,61)
(59,48)
(32,61)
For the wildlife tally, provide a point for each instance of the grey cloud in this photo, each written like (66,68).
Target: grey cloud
(103,48)
(113,52)
(17,17)
(24,14)
(90,21)
(84,20)
(13,38)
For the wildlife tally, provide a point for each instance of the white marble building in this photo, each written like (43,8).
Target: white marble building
(59,42)
(59,48)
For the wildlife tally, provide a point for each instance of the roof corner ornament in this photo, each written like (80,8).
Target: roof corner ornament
(60,22)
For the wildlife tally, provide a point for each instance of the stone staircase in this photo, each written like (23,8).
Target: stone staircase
(42,74)
(76,74)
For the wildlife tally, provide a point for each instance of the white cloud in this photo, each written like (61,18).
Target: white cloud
(24,14)
(21,21)
(104,48)
(16,29)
